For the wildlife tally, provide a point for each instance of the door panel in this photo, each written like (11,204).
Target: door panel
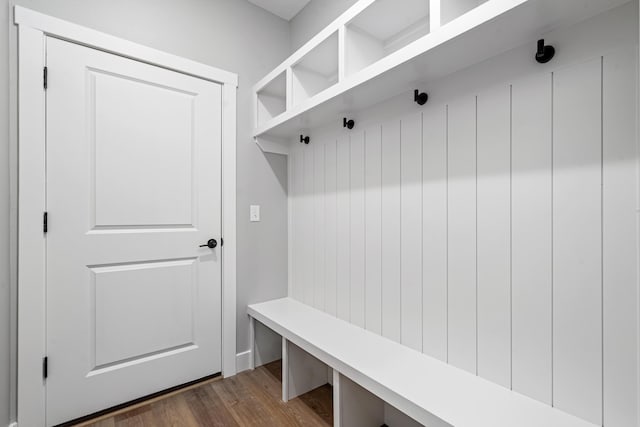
(127,327)
(141,127)
(133,190)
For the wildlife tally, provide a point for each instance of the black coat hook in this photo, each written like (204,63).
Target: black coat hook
(349,124)
(544,52)
(420,97)
(304,139)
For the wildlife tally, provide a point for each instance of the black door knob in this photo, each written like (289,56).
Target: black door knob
(211,243)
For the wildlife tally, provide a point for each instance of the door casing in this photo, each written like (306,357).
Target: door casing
(33,27)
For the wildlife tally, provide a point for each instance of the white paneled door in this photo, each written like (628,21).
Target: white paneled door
(133,190)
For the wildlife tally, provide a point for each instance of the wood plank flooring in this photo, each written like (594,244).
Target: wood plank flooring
(251,398)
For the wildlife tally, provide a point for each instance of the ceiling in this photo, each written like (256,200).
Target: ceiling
(285,9)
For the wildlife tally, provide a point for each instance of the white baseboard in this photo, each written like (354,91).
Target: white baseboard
(243,361)
(268,347)
(14,424)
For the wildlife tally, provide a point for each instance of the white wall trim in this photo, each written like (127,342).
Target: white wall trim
(229,245)
(33,27)
(243,361)
(638,215)
(65,30)
(31,243)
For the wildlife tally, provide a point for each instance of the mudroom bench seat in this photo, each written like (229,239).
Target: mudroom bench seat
(371,373)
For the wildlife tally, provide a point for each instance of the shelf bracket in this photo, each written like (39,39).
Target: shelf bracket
(272,146)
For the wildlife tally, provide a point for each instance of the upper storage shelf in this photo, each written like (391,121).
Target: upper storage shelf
(381,48)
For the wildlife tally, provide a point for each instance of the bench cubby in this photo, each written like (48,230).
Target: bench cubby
(354,406)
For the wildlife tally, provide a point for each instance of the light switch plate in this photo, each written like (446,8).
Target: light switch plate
(254,213)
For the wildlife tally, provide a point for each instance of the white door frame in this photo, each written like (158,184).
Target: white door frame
(33,27)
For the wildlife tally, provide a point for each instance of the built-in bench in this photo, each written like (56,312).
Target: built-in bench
(370,372)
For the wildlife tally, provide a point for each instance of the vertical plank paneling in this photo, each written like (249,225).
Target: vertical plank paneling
(391,230)
(411,231)
(434,231)
(498,233)
(320,234)
(297,190)
(357,229)
(308,226)
(531,237)
(577,241)
(620,231)
(331,242)
(373,226)
(291,213)
(462,233)
(494,234)
(343,217)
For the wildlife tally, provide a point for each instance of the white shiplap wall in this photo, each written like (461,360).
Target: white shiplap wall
(494,229)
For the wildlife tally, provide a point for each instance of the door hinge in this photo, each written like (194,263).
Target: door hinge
(45,222)
(221,241)
(45,77)
(45,367)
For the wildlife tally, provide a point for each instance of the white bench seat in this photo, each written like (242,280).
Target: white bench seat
(426,389)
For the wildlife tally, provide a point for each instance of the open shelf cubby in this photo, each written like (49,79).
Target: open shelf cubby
(272,99)
(452,9)
(383,28)
(378,49)
(316,71)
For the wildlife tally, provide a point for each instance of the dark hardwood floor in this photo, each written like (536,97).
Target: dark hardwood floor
(251,398)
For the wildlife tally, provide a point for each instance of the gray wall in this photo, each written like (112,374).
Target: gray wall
(316,15)
(229,34)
